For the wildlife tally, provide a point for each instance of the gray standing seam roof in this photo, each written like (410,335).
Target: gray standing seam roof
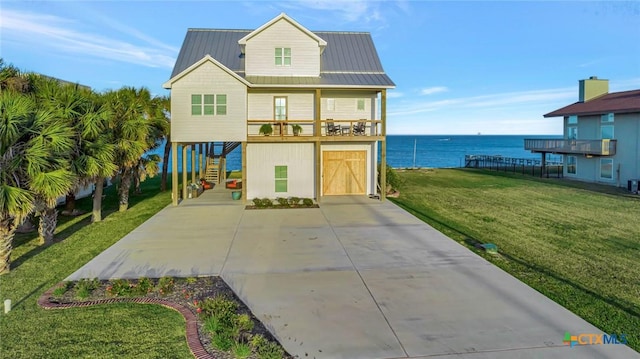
(349,59)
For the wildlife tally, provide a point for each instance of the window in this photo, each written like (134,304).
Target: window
(572,165)
(606,132)
(283,56)
(280,108)
(331,104)
(221,104)
(208,105)
(607,117)
(281,178)
(572,133)
(360,104)
(572,120)
(606,168)
(196,104)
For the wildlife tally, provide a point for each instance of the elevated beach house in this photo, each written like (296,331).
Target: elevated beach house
(601,135)
(308,109)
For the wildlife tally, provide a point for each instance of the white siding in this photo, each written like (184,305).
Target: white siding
(371,159)
(260,52)
(300,106)
(346,105)
(208,79)
(262,159)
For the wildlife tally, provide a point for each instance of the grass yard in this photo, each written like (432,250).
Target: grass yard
(112,331)
(577,246)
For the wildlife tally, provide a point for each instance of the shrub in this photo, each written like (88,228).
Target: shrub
(84,287)
(266,202)
(119,288)
(393,180)
(293,201)
(166,285)
(241,350)
(307,202)
(62,289)
(257,202)
(144,286)
(222,341)
(266,349)
(282,201)
(219,307)
(191,280)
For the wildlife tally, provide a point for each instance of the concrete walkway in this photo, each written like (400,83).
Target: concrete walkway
(355,278)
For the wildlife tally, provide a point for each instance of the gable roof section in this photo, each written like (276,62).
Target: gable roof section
(282,16)
(350,59)
(206,58)
(616,102)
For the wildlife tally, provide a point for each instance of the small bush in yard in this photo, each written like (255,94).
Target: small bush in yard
(222,341)
(266,349)
(283,201)
(241,350)
(266,202)
(84,287)
(120,288)
(307,202)
(258,202)
(166,285)
(144,286)
(62,289)
(219,307)
(293,201)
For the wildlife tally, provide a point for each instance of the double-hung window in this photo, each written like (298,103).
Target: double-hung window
(572,165)
(360,104)
(281,178)
(283,56)
(606,168)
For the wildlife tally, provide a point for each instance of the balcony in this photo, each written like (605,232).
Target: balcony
(604,147)
(311,130)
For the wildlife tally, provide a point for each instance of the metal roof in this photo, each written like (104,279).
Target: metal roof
(349,60)
(616,102)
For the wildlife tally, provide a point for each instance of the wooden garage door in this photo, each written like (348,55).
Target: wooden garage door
(344,172)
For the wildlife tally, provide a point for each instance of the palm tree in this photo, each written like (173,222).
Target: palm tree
(92,157)
(135,128)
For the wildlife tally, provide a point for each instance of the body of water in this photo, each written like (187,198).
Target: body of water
(434,151)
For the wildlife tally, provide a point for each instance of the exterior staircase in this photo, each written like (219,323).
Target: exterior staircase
(216,169)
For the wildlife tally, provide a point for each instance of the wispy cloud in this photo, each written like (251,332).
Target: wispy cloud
(518,98)
(68,37)
(433,90)
(394,94)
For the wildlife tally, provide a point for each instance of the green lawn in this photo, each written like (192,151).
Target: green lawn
(578,246)
(111,331)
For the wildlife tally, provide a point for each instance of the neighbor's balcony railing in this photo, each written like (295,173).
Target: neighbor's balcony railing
(604,147)
(308,128)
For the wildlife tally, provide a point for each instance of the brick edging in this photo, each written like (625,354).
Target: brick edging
(193,339)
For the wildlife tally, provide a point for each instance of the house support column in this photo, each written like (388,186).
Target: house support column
(184,171)
(383,145)
(244,172)
(318,144)
(200,164)
(193,164)
(174,173)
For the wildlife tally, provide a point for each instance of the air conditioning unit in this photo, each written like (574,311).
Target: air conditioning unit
(632,185)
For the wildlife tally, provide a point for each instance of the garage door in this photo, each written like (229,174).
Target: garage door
(344,172)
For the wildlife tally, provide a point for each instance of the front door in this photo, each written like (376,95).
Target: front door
(344,172)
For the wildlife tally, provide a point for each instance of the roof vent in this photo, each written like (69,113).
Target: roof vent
(593,78)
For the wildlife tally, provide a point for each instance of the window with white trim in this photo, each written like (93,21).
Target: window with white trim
(572,132)
(607,117)
(208,104)
(283,56)
(331,104)
(572,165)
(572,120)
(281,178)
(606,168)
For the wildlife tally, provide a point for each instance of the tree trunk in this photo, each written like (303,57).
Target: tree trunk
(70,202)
(123,191)
(97,200)
(136,181)
(165,164)
(7,230)
(48,222)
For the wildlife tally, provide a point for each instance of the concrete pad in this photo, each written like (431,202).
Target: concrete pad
(328,314)
(286,249)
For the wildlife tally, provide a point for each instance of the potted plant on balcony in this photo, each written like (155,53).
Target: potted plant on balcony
(297,129)
(266,129)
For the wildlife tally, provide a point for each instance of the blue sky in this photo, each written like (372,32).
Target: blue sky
(459,67)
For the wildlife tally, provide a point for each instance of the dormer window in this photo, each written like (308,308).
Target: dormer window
(283,56)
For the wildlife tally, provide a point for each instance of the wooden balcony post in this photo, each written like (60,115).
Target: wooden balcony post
(184,171)
(383,145)
(244,172)
(193,163)
(318,114)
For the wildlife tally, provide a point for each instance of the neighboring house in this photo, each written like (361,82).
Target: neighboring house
(229,86)
(601,135)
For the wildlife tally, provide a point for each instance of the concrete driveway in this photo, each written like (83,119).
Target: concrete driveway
(355,278)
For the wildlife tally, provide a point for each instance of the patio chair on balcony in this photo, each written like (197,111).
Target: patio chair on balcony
(332,129)
(359,128)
